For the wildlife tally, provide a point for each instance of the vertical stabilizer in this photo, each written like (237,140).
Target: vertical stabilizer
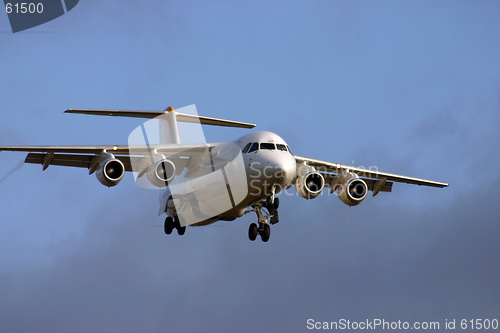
(169,132)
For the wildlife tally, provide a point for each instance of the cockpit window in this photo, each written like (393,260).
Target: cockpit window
(254,147)
(289,150)
(267,145)
(281,147)
(247,147)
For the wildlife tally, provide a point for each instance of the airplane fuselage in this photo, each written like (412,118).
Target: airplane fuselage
(269,167)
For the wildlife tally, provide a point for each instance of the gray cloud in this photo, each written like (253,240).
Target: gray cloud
(415,254)
(324,261)
(327,262)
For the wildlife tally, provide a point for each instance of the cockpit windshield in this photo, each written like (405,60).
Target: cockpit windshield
(247,147)
(254,147)
(281,147)
(267,145)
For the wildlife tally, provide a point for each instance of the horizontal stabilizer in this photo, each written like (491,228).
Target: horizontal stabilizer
(153,114)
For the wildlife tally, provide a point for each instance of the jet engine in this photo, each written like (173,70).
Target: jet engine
(110,172)
(161,172)
(310,185)
(352,191)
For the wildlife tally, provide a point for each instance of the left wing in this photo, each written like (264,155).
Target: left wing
(376,180)
(116,149)
(82,156)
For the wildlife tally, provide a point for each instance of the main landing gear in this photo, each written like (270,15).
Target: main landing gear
(173,223)
(263,229)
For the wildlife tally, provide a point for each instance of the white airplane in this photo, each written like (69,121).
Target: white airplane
(205,183)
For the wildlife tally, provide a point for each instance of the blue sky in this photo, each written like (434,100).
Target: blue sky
(410,87)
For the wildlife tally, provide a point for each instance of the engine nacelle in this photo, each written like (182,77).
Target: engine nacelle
(110,172)
(352,191)
(310,185)
(161,172)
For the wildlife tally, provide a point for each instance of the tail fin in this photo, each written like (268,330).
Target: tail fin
(153,114)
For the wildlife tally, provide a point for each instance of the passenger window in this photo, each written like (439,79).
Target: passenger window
(267,145)
(281,147)
(246,147)
(254,147)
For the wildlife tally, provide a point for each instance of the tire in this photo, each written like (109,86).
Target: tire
(266,233)
(276,203)
(181,230)
(177,224)
(269,204)
(253,231)
(272,205)
(169,225)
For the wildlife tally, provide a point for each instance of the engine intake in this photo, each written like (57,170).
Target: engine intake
(161,172)
(110,172)
(310,185)
(352,191)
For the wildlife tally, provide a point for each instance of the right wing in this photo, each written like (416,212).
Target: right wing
(366,173)
(375,180)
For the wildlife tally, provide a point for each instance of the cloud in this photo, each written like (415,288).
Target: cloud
(426,254)
(326,262)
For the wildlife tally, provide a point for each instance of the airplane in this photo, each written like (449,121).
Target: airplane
(208,182)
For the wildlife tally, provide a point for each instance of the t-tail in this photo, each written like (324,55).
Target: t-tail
(169,132)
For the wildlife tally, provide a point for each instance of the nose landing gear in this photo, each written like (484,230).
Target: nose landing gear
(264,230)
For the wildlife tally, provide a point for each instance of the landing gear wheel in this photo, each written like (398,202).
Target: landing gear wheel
(169,225)
(272,205)
(177,224)
(181,230)
(253,231)
(265,233)
(269,215)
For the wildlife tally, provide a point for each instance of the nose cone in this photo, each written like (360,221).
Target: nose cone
(283,168)
(289,169)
